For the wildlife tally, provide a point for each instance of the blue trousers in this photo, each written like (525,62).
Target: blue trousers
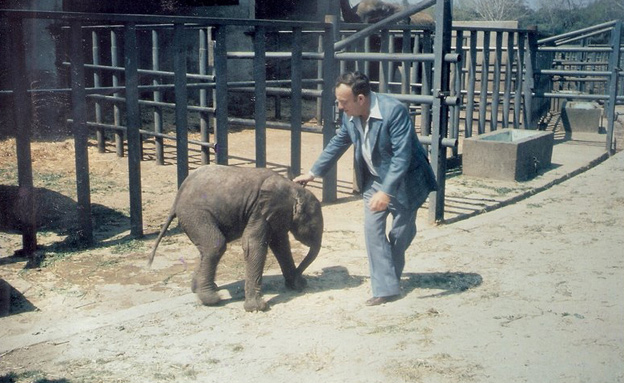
(386,251)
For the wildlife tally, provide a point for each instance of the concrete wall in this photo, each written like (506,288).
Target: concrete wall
(40,64)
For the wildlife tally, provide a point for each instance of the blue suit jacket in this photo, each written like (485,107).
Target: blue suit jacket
(399,159)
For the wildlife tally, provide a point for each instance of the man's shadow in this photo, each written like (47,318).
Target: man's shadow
(338,278)
(447,283)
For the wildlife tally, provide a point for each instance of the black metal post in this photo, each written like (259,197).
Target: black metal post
(442,46)
(22,121)
(133,124)
(81,134)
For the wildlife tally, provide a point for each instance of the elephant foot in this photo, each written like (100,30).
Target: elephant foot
(209,298)
(197,285)
(298,283)
(256,304)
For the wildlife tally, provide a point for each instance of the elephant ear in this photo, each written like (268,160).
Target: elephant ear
(277,201)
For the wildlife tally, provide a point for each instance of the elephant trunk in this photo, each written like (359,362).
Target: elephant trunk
(309,258)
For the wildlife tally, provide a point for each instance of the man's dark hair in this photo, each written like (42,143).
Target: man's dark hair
(358,82)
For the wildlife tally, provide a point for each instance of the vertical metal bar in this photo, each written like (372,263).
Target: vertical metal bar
(329,128)
(416,68)
(442,46)
(485,81)
(158,115)
(519,79)
(615,69)
(133,124)
(81,133)
(425,119)
(259,68)
(119,139)
(221,96)
(498,56)
(384,72)
(204,120)
(529,81)
(472,78)
(295,101)
(367,49)
(405,65)
(22,120)
(459,73)
(319,75)
(508,77)
(95,57)
(181,100)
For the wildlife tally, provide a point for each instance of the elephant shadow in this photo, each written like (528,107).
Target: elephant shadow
(330,278)
(338,277)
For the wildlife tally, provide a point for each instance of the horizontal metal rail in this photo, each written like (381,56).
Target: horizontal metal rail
(101,125)
(195,21)
(559,72)
(554,39)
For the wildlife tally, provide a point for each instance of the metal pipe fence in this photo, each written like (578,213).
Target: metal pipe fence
(125,73)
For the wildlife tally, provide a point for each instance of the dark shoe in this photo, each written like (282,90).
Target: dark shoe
(376,301)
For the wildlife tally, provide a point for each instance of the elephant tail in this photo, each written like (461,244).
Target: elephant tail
(172,215)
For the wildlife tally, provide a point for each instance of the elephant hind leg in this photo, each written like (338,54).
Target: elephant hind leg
(211,243)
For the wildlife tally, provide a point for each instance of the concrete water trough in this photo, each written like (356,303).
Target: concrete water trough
(507,154)
(581,117)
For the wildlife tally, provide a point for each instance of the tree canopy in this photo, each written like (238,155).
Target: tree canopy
(552,17)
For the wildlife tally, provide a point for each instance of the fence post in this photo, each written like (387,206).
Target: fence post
(295,102)
(158,116)
(22,120)
(221,95)
(519,80)
(485,80)
(498,56)
(259,73)
(181,100)
(508,76)
(81,133)
(133,124)
(458,86)
(529,81)
(472,78)
(119,140)
(204,120)
(441,82)
(327,99)
(95,54)
(425,89)
(616,43)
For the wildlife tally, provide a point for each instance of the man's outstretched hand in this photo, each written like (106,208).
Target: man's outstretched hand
(303,179)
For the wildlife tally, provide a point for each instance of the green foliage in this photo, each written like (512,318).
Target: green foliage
(552,17)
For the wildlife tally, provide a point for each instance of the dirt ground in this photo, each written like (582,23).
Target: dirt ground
(528,293)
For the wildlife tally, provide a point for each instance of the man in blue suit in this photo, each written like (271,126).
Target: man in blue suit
(392,171)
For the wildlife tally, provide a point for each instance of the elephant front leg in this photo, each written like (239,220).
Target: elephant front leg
(280,245)
(255,250)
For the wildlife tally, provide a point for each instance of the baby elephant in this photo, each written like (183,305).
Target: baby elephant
(218,204)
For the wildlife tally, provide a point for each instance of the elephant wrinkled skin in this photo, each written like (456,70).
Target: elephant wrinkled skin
(217,204)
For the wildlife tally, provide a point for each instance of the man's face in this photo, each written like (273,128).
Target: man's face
(348,102)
